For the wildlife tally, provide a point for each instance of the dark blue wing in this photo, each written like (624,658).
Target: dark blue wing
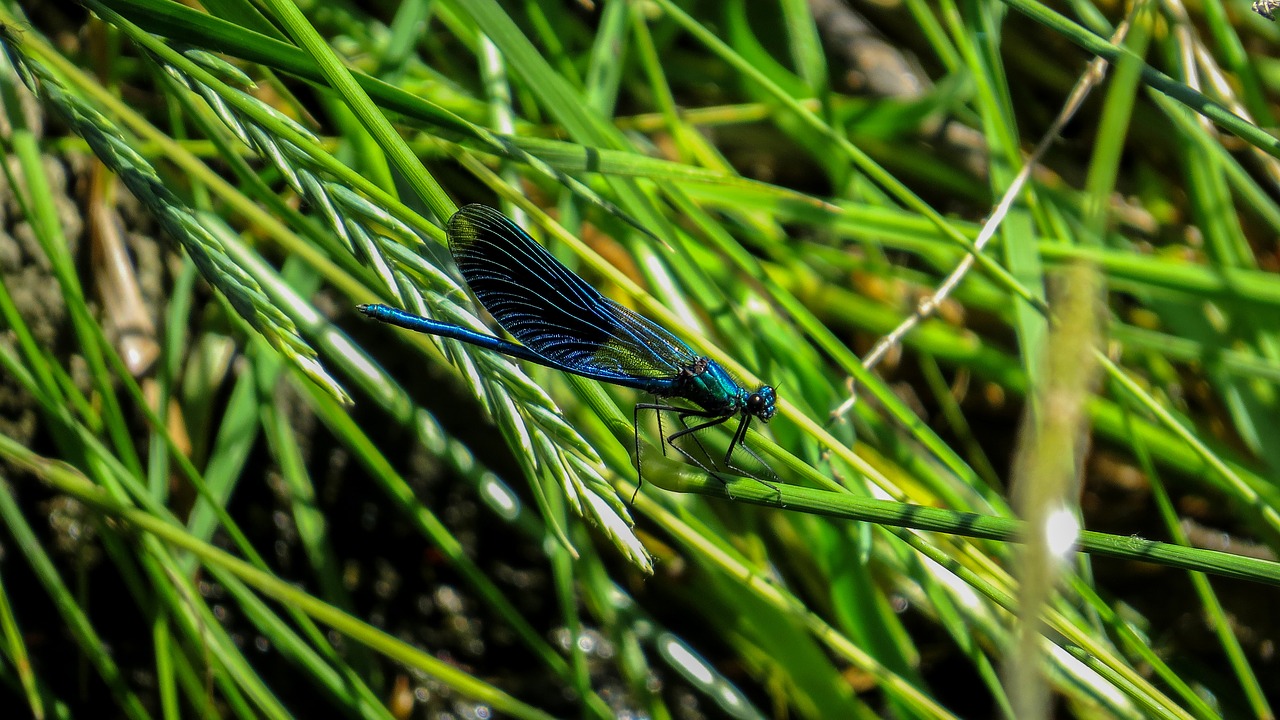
(554,312)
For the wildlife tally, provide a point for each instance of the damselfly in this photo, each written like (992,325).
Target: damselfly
(564,323)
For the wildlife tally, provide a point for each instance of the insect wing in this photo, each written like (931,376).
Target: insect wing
(552,311)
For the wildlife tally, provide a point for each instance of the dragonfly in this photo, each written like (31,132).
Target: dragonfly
(562,322)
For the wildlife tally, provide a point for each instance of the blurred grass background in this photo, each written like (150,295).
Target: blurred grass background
(227,496)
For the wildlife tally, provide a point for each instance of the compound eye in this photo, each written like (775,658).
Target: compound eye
(761,403)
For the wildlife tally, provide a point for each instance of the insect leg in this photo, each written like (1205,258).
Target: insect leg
(739,440)
(658,408)
(684,414)
(635,424)
(659,414)
(683,417)
(712,421)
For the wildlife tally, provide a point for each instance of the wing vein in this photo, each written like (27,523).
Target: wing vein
(551,310)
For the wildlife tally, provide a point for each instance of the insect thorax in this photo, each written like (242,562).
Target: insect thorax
(709,386)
